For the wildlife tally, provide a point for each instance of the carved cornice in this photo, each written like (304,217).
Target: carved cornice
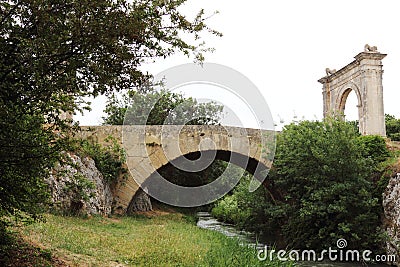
(370,55)
(356,63)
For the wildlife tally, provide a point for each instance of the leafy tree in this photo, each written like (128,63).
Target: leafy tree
(164,107)
(160,107)
(24,161)
(392,127)
(54,53)
(323,179)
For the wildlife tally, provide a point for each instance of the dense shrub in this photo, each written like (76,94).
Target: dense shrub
(248,210)
(109,158)
(228,210)
(392,127)
(322,174)
(319,189)
(374,147)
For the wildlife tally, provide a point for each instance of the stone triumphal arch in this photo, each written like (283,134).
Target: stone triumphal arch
(364,77)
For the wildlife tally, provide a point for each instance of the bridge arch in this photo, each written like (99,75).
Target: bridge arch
(246,162)
(364,77)
(148,148)
(161,145)
(153,188)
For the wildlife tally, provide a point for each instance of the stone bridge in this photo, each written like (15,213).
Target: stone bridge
(149,148)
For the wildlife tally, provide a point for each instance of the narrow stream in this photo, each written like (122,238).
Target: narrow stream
(206,221)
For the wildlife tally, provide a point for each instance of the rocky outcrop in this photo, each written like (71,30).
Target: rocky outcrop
(78,187)
(391,207)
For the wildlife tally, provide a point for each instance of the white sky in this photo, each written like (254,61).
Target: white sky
(284,47)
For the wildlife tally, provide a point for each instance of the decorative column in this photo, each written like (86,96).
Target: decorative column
(372,92)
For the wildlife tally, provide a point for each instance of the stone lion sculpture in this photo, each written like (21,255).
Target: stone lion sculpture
(329,71)
(368,48)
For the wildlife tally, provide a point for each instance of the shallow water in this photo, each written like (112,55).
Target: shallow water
(206,221)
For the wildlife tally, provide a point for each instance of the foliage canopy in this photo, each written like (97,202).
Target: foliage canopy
(53,54)
(153,107)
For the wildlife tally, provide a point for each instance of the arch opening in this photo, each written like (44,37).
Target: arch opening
(249,164)
(187,179)
(349,107)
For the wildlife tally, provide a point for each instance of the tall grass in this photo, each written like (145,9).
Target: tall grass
(165,240)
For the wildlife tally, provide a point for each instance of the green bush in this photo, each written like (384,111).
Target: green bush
(392,127)
(394,136)
(247,210)
(225,209)
(320,189)
(374,147)
(109,159)
(228,210)
(324,178)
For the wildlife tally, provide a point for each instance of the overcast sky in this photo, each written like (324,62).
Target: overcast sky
(284,46)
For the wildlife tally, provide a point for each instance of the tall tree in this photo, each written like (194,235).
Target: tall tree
(54,53)
(154,107)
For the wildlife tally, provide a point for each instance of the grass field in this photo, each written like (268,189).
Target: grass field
(167,239)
